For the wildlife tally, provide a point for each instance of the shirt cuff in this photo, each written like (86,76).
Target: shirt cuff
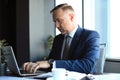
(54,65)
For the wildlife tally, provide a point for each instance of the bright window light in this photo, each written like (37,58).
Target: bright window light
(114,29)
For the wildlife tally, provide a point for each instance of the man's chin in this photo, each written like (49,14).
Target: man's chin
(62,33)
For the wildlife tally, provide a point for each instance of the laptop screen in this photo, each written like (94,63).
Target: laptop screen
(12,62)
(10,59)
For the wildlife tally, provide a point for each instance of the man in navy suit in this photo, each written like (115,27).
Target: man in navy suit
(83,45)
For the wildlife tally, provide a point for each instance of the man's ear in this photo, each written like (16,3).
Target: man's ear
(72,16)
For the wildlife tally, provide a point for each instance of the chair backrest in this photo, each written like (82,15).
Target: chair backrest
(101,61)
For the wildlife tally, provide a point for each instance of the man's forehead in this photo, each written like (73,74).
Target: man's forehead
(58,12)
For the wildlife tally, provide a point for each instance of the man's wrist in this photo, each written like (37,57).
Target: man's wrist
(50,61)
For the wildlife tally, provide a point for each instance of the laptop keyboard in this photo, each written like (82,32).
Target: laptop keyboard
(24,72)
(37,72)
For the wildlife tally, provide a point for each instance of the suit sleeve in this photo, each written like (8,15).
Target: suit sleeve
(86,64)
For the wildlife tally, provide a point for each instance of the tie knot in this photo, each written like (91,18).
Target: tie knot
(67,36)
(67,39)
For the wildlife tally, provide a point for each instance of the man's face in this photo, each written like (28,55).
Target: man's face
(62,21)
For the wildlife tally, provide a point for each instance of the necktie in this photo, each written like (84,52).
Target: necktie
(66,47)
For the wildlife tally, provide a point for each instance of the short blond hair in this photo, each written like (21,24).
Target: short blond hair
(64,7)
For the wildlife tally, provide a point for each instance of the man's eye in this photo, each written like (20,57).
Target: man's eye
(58,21)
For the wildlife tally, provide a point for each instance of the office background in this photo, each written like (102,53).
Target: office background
(26,25)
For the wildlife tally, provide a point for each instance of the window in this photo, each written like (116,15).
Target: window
(114,28)
(89,14)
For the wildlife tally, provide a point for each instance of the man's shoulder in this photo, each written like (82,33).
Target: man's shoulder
(59,36)
(88,31)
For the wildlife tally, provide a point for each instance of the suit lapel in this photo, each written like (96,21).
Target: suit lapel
(75,41)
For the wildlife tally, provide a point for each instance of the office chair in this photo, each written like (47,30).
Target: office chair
(101,61)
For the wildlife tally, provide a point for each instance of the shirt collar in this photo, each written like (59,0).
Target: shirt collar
(71,34)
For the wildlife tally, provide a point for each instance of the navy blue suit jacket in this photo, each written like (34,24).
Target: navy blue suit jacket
(83,52)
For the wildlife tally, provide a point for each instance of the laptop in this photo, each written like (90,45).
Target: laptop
(13,65)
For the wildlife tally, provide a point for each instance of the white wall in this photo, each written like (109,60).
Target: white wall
(41,26)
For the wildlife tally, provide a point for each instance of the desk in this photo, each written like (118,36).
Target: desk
(15,78)
(105,76)
(11,76)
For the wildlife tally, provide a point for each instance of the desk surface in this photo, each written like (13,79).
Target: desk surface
(105,76)
(15,78)
(11,76)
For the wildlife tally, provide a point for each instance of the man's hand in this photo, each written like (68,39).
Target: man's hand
(33,67)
